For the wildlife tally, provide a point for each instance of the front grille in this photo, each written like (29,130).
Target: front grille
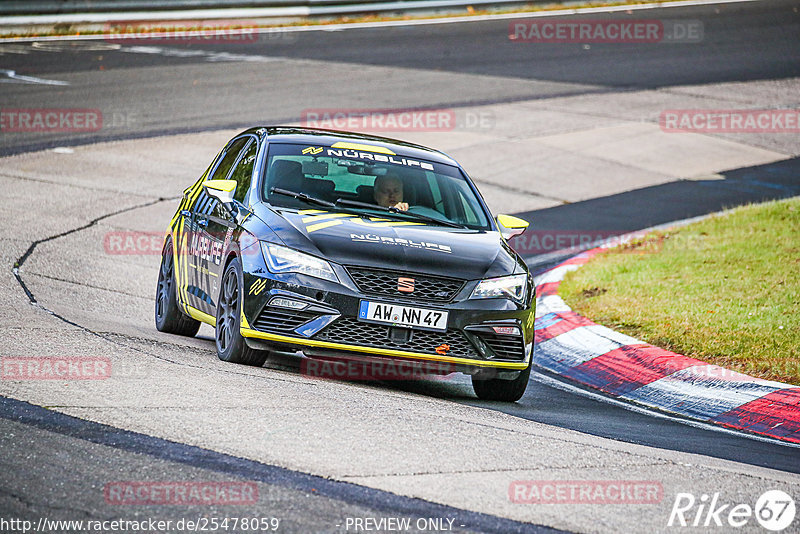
(505,347)
(353,332)
(384,283)
(281,320)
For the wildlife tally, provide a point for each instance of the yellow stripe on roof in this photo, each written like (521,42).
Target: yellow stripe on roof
(359,146)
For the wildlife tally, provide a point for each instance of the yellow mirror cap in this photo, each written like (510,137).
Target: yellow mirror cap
(220,185)
(509,221)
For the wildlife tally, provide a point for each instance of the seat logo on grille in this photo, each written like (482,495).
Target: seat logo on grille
(405,285)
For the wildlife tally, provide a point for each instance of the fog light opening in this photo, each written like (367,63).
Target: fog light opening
(506,330)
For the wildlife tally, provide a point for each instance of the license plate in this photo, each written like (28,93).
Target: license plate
(397,315)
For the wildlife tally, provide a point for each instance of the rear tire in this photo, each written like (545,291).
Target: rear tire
(231,346)
(495,389)
(169,318)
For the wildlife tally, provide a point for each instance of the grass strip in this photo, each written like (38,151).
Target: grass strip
(725,290)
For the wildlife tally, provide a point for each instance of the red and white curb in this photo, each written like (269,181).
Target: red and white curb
(627,369)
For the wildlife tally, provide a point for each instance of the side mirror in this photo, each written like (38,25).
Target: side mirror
(511,226)
(222,190)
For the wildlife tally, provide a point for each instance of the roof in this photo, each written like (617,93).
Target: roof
(315,136)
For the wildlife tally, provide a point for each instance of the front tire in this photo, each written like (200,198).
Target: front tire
(231,346)
(169,318)
(495,389)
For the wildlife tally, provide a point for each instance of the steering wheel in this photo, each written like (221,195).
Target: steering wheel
(429,212)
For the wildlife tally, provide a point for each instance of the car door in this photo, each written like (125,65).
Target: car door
(210,225)
(221,224)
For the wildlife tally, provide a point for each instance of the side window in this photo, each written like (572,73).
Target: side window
(436,193)
(243,173)
(229,159)
(468,211)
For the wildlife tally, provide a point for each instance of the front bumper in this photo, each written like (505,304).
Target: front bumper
(328,324)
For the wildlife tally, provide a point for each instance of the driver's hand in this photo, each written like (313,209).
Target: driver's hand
(402,206)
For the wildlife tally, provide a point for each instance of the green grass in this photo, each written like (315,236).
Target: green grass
(725,290)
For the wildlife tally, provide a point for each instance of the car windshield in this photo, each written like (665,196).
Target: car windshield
(433,191)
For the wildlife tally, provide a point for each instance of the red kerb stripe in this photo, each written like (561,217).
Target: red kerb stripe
(630,367)
(776,414)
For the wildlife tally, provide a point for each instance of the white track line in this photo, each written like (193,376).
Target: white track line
(569,388)
(12,75)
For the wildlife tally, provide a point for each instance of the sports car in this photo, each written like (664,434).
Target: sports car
(340,245)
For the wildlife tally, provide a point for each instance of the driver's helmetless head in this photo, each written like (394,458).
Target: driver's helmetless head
(388,190)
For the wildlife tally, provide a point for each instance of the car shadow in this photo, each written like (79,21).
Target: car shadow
(566,406)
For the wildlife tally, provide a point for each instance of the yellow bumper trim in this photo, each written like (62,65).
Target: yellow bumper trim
(383,352)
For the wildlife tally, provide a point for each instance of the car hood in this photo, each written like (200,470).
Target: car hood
(350,239)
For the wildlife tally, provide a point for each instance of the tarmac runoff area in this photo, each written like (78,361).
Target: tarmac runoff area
(96,302)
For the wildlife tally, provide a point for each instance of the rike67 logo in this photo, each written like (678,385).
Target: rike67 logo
(774,510)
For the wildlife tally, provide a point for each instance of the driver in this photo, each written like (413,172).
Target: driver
(389,192)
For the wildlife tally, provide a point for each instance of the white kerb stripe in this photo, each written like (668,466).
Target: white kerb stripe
(555,275)
(717,373)
(578,346)
(550,304)
(701,397)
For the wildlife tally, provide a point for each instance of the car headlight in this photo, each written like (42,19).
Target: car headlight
(285,260)
(512,287)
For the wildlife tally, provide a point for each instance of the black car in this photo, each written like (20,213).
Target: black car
(285,244)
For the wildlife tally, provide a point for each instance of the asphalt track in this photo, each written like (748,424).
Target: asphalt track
(451,65)
(54,464)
